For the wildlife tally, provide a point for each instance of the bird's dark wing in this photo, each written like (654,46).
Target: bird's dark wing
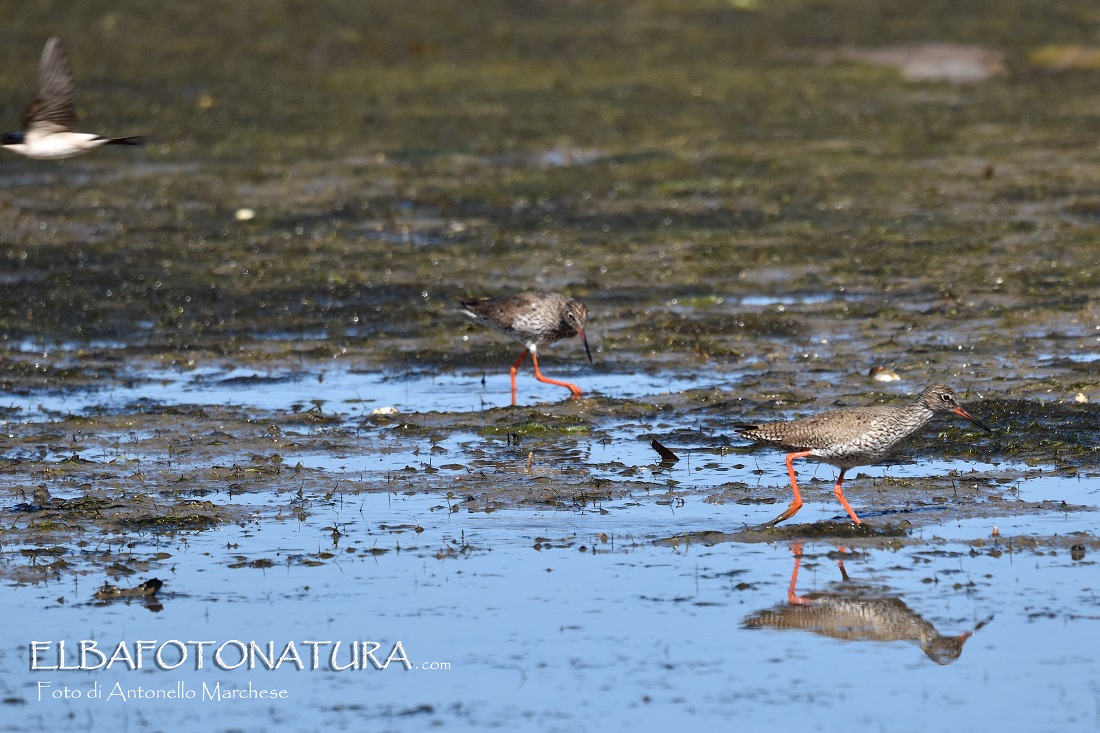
(53,108)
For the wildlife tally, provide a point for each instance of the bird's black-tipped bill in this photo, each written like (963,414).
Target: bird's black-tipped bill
(584,340)
(963,413)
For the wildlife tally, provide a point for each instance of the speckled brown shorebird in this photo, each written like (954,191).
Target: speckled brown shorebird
(853,436)
(534,319)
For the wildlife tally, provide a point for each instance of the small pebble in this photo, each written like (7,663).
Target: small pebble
(245,214)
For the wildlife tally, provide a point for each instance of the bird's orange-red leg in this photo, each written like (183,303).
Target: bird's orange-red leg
(574,390)
(791,510)
(796,504)
(513,372)
(844,502)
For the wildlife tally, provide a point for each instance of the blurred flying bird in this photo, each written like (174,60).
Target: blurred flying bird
(49,122)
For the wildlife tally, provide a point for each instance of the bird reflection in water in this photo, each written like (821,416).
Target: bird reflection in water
(858,612)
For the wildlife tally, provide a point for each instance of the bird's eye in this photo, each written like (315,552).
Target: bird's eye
(945,397)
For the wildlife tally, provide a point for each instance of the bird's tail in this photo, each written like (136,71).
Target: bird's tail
(137,140)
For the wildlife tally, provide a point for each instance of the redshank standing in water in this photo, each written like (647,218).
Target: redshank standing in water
(853,436)
(534,319)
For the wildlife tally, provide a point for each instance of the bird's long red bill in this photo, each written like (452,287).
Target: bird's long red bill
(963,413)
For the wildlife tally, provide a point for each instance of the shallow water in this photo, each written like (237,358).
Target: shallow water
(614,602)
(501,614)
(349,391)
(526,607)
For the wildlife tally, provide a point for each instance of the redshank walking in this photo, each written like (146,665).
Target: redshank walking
(853,436)
(534,319)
